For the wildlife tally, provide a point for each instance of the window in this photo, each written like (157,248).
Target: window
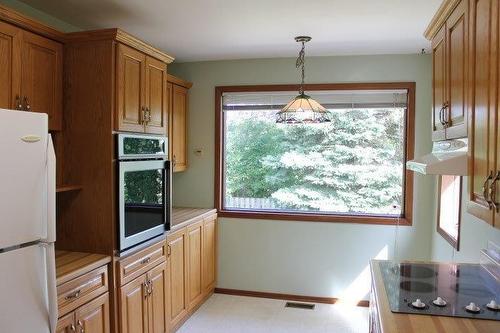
(350,170)
(448,225)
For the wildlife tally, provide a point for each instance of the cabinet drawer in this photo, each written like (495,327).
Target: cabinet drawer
(82,289)
(138,263)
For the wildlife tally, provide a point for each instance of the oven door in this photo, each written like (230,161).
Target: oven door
(144,200)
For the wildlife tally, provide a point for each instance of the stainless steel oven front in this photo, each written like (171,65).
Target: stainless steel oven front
(144,188)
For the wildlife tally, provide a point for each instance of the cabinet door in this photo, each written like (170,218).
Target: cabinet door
(195,266)
(209,253)
(41,80)
(134,306)
(158,300)
(179,114)
(178,276)
(66,324)
(156,96)
(130,89)
(457,66)
(93,317)
(10,55)
(438,84)
(483,83)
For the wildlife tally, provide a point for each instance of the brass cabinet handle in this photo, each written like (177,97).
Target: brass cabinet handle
(145,260)
(492,191)
(74,295)
(19,105)
(148,115)
(486,190)
(72,328)
(147,288)
(150,287)
(169,250)
(441,114)
(27,106)
(80,325)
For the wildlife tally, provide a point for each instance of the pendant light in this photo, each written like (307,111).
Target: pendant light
(303,108)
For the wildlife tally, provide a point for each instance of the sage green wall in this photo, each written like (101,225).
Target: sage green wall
(319,259)
(39,15)
(475,235)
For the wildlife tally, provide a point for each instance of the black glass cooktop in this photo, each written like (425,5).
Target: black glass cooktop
(457,284)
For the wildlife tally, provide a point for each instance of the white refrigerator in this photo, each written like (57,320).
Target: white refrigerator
(28,297)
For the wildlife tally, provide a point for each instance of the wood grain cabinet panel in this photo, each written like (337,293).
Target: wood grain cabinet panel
(457,67)
(134,306)
(66,324)
(484,111)
(179,105)
(157,307)
(438,84)
(195,267)
(10,50)
(130,88)
(209,253)
(93,317)
(177,275)
(156,96)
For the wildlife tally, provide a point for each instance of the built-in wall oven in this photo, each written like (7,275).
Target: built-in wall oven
(144,188)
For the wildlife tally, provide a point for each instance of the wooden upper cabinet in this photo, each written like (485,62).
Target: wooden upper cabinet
(156,96)
(93,317)
(31,73)
(438,84)
(157,300)
(179,105)
(209,253)
(10,80)
(450,75)
(130,89)
(141,90)
(456,77)
(483,137)
(177,276)
(134,306)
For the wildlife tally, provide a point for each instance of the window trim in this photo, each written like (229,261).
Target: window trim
(406,219)
(455,243)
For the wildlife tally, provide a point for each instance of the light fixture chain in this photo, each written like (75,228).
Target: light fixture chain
(300,63)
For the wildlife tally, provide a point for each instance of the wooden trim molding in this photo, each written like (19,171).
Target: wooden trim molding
(11,16)
(286,297)
(405,220)
(120,36)
(440,17)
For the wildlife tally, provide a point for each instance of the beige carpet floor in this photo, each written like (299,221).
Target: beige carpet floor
(235,314)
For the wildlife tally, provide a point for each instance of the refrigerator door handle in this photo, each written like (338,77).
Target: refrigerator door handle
(51,192)
(51,285)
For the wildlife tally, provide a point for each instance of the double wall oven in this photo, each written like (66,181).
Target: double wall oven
(144,188)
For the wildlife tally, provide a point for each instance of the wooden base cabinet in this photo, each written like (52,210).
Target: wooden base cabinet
(192,265)
(92,317)
(484,142)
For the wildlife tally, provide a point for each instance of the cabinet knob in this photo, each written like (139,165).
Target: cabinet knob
(19,105)
(76,294)
(27,106)
(72,328)
(80,326)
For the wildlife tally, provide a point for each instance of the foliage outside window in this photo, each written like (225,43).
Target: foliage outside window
(448,226)
(352,169)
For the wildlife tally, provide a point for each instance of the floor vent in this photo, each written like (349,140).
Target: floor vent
(305,306)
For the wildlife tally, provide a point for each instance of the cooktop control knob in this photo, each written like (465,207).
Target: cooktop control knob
(472,307)
(439,302)
(493,305)
(418,304)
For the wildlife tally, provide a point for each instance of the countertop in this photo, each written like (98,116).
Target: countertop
(398,322)
(69,265)
(182,217)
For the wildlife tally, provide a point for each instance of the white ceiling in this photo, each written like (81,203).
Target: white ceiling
(195,30)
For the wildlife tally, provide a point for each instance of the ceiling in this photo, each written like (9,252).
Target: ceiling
(196,30)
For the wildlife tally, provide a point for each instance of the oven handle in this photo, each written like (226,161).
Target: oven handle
(168,194)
